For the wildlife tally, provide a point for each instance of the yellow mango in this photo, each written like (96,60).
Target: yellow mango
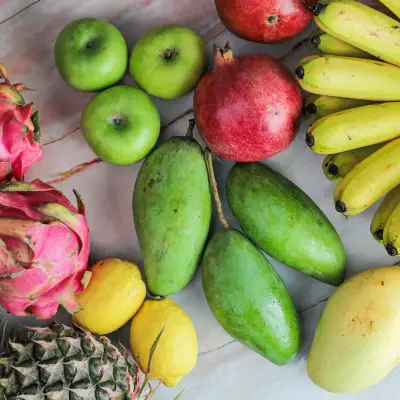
(356,343)
(176,352)
(114,295)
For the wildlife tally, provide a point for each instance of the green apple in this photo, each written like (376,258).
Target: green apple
(91,54)
(121,124)
(168,61)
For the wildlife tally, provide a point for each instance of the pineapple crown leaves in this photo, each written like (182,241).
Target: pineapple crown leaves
(150,361)
(179,395)
(147,379)
(154,348)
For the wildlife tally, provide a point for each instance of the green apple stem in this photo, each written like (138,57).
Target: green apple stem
(167,54)
(214,188)
(189,132)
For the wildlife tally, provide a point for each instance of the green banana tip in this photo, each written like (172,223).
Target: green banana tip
(311,108)
(392,251)
(310,141)
(317,8)
(379,234)
(299,71)
(340,207)
(315,41)
(333,170)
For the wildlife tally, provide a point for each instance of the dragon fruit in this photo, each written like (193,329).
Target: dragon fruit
(44,249)
(19,131)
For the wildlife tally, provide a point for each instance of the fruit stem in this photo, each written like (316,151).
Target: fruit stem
(392,251)
(379,234)
(315,41)
(311,108)
(299,72)
(333,170)
(214,188)
(223,56)
(310,141)
(189,132)
(317,8)
(340,207)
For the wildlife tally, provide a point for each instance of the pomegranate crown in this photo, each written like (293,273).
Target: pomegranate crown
(223,56)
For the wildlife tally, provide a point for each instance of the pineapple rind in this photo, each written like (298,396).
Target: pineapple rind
(63,363)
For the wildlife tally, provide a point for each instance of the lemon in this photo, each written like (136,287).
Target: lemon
(176,352)
(114,294)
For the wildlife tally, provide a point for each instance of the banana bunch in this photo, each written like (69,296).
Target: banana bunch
(354,102)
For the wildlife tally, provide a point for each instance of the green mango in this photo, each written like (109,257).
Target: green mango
(284,222)
(172,213)
(248,297)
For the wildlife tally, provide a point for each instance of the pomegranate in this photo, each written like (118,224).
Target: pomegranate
(266,21)
(249,108)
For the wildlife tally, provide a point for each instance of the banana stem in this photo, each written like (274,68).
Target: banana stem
(189,132)
(214,188)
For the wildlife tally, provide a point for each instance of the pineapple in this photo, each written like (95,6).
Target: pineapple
(64,363)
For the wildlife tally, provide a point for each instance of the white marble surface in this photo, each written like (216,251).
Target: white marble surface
(225,369)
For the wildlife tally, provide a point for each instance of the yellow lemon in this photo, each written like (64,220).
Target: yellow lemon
(114,294)
(176,352)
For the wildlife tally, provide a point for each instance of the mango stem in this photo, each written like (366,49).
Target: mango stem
(214,188)
(189,132)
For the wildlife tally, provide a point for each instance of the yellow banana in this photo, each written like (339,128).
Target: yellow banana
(353,78)
(391,233)
(369,180)
(383,213)
(393,5)
(355,128)
(321,106)
(324,43)
(360,26)
(337,166)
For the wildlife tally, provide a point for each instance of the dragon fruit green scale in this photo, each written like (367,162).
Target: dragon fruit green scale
(44,249)
(19,131)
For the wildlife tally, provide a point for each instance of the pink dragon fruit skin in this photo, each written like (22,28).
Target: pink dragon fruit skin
(19,147)
(44,249)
